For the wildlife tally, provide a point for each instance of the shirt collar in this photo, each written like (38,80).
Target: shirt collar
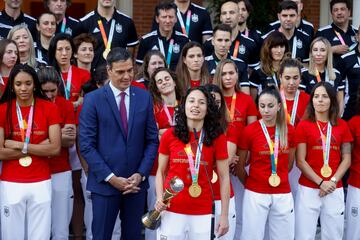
(117,92)
(19,18)
(336,28)
(101,17)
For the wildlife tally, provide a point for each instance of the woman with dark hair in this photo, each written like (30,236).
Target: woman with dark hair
(353,193)
(29,134)
(9,56)
(196,142)
(321,70)
(84,50)
(191,67)
(61,52)
(273,50)
(46,26)
(166,93)
(61,181)
(267,196)
(218,96)
(153,60)
(294,101)
(323,155)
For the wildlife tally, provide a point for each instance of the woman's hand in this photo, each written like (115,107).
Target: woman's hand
(160,205)
(222,227)
(16,145)
(327,187)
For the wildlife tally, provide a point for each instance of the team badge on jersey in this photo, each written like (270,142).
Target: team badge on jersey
(68,31)
(176,48)
(118,28)
(354,211)
(195,18)
(96,30)
(299,44)
(242,49)
(6,211)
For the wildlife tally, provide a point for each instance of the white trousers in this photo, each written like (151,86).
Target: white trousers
(88,214)
(352,213)
(62,201)
(32,200)
(232,219)
(151,200)
(309,206)
(74,158)
(239,189)
(175,226)
(294,176)
(278,208)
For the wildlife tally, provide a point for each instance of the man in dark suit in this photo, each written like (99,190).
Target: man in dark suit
(119,141)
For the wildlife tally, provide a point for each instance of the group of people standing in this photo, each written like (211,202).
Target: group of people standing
(261,128)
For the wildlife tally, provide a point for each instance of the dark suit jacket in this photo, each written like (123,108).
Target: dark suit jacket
(104,145)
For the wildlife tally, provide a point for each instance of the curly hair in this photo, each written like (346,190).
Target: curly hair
(212,127)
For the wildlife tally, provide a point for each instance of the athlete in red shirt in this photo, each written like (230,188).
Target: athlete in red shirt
(189,151)
(353,193)
(294,101)
(62,191)
(29,134)
(323,156)
(166,92)
(270,142)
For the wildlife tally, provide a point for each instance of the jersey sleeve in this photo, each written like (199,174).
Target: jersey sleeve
(53,114)
(207,27)
(347,136)
(221,152)
(254,79)
(165,140)
(141,52)
(132,37)
(339,82)
(300,132)
(245,140)
(70,113)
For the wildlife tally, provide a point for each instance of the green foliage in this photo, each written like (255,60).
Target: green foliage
(264,12)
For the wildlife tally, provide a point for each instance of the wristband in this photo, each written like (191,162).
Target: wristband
(322,180)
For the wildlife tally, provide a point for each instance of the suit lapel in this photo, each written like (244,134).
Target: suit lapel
(114,108)
(132,107)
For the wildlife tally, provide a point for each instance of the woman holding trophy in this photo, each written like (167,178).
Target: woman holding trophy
(188,151)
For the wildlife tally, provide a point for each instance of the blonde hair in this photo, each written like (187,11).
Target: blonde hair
(32,59)
(329,58)
(218,74)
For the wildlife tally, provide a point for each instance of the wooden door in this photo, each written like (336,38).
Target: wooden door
(78,8)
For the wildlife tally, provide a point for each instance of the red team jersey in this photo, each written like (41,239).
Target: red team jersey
(66,110)
(354,178)
(45,115)
(244,107)
(79,77)
(3,86)
(302,104)
(195,83)
(308,132)
(162,122)
(254,140)
(178,165)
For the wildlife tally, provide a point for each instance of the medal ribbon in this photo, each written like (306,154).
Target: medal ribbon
(290,119)
(236,48)
(274,150)
(340,37)
(184,29)
(162,49)
(232,107)
(68,83)
(275,79)
(325,141)
(293,52)
(171,120)
(107,42)
(22,124)
(195,166)
(63,25)
(318,77)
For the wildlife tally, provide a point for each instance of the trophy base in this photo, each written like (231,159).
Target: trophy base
(149,221)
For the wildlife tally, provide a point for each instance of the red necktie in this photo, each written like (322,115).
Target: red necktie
(123,114)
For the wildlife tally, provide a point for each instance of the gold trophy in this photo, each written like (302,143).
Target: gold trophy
(152,219)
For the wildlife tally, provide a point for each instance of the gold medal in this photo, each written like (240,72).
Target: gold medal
(106,53)
(195,190)
(25,161)
(214,177)
(274,180)
(326,171)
